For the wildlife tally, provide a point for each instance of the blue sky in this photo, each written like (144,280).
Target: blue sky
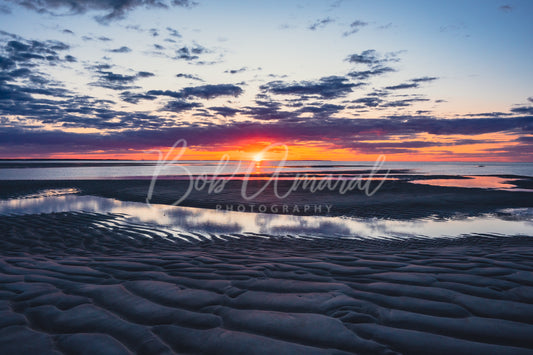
(331,72)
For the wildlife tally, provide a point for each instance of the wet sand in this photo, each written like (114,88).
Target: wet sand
(394,199)
(91,283)
(71,283)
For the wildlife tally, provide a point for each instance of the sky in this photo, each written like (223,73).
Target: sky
(336,80)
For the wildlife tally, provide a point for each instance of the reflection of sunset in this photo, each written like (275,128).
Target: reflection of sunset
(482,182)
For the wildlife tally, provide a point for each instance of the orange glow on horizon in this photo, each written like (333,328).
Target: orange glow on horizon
(483,148)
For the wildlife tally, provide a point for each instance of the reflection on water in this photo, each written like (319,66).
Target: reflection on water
(482,182)
(185,220)
(53,192)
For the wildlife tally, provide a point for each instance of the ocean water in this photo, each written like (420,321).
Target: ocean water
(102,169)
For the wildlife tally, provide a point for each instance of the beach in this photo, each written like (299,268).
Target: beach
(69,287)
(96,280)
(393,199)
(257,177)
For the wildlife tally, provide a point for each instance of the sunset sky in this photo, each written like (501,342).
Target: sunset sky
(339,80)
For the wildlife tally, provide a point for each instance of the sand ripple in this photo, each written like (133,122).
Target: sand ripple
(87,283)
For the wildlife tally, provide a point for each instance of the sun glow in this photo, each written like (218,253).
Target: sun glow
(258,157)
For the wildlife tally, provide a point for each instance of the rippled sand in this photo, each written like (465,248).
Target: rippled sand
(83,283)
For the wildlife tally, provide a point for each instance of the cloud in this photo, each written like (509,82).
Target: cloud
(113,77)
(144,74)
(327,87)
(355,27)
(180,106)
(236,71)
(376,147)
(114,81)
(29,98)
(22,51)
(174,33)
(523,110)
(369,101)
(321,111)
(371,57)
(414,83)
(269,113)
(344,133)
(203,92)
(404,102)
(134,98)
(102,66)
(402,86)
(381,99)
(70,59)
(190,53)
(525,139)
(56,106)
(19,73)
(530,99)
(122,49)
(268,110)
(424,79)
(188,76)
(366,74)
(488,114)
(114,9)
(6,63)
(225,111)
(320,23)
(18,55)
(212,91)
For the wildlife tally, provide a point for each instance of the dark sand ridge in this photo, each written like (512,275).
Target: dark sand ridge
(71,283)
(395,199)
